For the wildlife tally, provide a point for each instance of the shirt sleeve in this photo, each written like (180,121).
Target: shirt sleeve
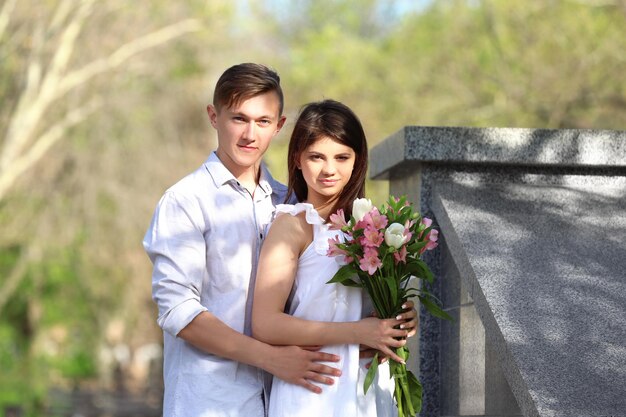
(176,246)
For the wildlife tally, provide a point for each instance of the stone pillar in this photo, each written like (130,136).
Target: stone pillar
(461,363)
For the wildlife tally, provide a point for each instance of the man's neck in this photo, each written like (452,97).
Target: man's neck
(248,177)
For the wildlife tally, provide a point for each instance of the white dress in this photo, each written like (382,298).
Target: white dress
(313,299)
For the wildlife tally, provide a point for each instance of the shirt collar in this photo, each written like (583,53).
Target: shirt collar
(221,175)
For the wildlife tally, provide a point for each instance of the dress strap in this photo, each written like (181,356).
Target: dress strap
(320,228)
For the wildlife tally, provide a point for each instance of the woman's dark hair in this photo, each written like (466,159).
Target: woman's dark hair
(334,120)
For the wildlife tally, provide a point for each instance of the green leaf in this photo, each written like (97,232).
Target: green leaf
(416,246)
(434,309)
(371,373)
(393,288)
(420,269)
(415,391)
(344,276)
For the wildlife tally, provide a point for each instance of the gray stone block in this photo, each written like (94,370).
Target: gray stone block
(545,267)
(568,166)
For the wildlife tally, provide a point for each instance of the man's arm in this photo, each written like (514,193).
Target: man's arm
(289,363)
(176,245)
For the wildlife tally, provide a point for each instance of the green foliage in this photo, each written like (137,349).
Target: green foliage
(86,205)
(53,297)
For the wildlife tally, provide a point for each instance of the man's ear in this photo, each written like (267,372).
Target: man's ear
(212,112)
(280,124)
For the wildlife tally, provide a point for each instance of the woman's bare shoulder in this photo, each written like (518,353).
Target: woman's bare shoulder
(292,229)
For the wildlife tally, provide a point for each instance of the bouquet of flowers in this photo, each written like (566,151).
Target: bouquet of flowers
(380,253)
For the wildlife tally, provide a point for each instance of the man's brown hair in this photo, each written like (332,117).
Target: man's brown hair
(244,81)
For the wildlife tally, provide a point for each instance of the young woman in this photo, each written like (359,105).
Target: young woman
(293,305)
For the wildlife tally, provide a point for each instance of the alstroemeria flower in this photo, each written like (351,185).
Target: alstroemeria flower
(370,262)
(374,218)
(333,249)
(395,235)
(338,220)
(400,256)
(341,255)
(431,237)
(360,207)
(371,237)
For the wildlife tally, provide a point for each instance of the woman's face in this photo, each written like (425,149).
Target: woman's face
(326,167)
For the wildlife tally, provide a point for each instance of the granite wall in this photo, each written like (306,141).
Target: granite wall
(531,264)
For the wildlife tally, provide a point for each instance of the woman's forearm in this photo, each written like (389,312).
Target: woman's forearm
(283,329)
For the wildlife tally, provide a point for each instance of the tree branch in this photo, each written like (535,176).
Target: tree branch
(29,110)
(39,93)
(5,15)
(18,272)
(127,51)
(9,175)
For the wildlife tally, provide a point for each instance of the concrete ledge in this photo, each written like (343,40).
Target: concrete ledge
(564,148)
(545,267)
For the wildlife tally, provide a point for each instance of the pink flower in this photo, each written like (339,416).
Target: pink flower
(333,249)
(377,220)
(372,237)
(407,229)
(370,262)
(400,256)
(431,237)
(337,220)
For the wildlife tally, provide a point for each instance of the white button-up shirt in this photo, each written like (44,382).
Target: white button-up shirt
(204,241)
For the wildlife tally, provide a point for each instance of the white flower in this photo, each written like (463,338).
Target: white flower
(394,235)
(361,207)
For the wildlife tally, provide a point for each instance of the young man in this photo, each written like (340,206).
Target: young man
(204,241)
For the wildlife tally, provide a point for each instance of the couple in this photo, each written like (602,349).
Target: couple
(205,241)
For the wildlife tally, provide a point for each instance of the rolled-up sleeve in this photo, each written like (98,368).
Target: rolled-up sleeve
(176,246)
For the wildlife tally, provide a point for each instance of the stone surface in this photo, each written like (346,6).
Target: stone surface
(546,268)
(566,148)
(417,160)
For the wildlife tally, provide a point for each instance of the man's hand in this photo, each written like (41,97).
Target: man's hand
(301,366)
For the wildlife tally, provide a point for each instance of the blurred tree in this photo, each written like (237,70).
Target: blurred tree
(104,107)
(66,210)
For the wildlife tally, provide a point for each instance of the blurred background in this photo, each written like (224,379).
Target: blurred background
(103,108)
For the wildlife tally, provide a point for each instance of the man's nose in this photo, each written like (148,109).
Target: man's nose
(249,131)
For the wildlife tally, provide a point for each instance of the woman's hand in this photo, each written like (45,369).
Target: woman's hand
(382,335)
(410,318)
(410,321)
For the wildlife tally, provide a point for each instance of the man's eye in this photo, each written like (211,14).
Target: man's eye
(265,122)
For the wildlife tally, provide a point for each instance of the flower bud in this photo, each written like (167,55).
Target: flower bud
(361,207)
(394,235)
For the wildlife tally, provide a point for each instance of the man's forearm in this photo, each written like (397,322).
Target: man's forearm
(289,363)
(209,334)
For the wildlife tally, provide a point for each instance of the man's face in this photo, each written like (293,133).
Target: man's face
(245,130)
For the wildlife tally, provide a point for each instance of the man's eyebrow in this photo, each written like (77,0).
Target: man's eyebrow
(247,116)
